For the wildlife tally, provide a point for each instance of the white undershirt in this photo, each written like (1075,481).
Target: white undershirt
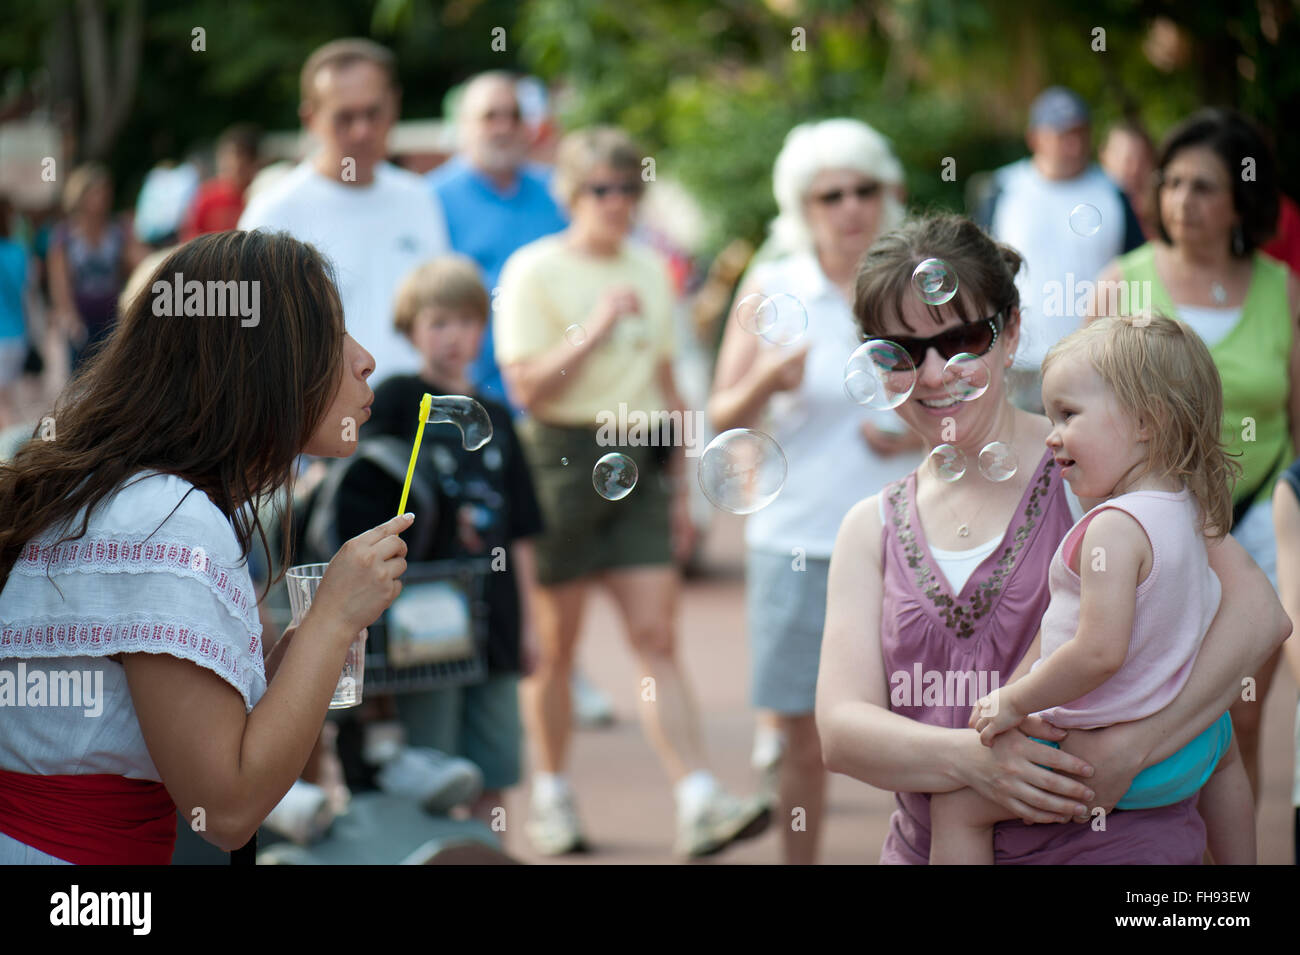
(958,565)
(1211,324)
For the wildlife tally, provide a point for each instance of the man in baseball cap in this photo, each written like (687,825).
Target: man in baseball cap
(1059,134)
(1066,218)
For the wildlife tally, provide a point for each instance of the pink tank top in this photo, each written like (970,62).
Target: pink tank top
(936,645)
(1175,607)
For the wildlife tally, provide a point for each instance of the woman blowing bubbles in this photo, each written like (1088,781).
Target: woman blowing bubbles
(114,568)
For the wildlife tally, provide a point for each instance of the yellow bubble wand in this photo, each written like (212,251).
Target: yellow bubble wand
(425,403)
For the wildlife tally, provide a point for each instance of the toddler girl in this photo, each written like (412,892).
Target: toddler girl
(1136,407)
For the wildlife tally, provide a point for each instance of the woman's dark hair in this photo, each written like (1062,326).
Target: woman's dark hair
(225,406)
(985,270)
(1233,139)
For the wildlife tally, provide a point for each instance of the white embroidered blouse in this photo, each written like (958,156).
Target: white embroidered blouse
(143,579)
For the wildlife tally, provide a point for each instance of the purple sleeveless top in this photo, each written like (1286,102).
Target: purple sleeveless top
(942,649)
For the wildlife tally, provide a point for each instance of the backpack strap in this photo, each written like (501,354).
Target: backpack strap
(391,455)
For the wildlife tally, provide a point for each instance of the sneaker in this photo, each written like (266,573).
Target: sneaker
(553,827)
(436,781)
(382,742)
(303,815)
(724,819)
(591,707)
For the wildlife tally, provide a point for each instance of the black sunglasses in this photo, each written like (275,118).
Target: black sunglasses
(836,196)
(514,115)
(601,189)
(975,338)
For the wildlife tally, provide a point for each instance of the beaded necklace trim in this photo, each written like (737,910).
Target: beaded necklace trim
(961,616)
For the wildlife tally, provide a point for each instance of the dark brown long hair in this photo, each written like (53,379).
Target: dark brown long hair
(223,406)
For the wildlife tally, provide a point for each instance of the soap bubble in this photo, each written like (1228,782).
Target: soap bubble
(782,318)
(742,471)
(998,461)
(879,374)
(564,462)
(965,377)
(934,282)
(575,334)
(949,462)
(614,476)
(1085,220)
(751,316)
(467,415)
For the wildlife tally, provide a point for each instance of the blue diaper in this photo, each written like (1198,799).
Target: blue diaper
(1181,775)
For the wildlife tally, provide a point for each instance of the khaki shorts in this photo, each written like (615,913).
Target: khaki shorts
(585,533)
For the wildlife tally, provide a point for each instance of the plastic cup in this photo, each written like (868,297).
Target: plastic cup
(302,582)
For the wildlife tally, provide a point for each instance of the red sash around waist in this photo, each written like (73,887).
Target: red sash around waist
(91,819)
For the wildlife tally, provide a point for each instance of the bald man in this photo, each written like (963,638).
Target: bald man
(494,200)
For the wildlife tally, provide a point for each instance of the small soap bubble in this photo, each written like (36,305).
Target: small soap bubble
(949,462)
(564,462)
(1085,220)
(467,415)
(934,282)
(965,376)
(614,476)
(751,316)
(879,375)
(782,318)
(575,334)
(742,471)
(998,461)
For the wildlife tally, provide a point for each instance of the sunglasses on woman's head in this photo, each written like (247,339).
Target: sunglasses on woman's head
(601,189)
(975,338)
(836,196)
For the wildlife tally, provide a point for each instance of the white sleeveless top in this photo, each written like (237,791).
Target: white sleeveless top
(138,581)
(830,467)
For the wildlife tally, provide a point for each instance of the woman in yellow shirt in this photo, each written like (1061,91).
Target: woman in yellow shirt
(584,338)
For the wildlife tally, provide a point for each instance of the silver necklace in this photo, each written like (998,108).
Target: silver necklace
(963,527)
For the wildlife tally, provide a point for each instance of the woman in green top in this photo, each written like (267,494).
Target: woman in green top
(1216,202)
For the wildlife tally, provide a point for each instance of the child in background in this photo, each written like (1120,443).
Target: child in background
(442,308)
(1136,405)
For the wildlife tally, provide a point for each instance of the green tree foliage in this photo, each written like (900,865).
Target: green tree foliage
(711,88)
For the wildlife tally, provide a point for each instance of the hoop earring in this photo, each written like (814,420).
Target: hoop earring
(1238,241)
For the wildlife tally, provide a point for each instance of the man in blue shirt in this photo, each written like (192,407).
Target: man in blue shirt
(493,199)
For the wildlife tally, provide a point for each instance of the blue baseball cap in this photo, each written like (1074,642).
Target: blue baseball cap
(1058,108)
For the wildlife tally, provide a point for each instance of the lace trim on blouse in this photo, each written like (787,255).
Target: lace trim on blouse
(76,637)
(109,555)
(960,617)
(103,619)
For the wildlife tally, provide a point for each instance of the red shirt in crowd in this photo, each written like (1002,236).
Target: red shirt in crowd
(1285,244)
(217,207)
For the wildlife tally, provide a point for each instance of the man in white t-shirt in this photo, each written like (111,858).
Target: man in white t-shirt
(374,221)
(1061,212)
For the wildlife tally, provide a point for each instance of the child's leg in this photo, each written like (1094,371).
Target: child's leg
(961,828)
(1228,808)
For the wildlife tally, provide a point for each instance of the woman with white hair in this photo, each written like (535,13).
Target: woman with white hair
(838,186)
